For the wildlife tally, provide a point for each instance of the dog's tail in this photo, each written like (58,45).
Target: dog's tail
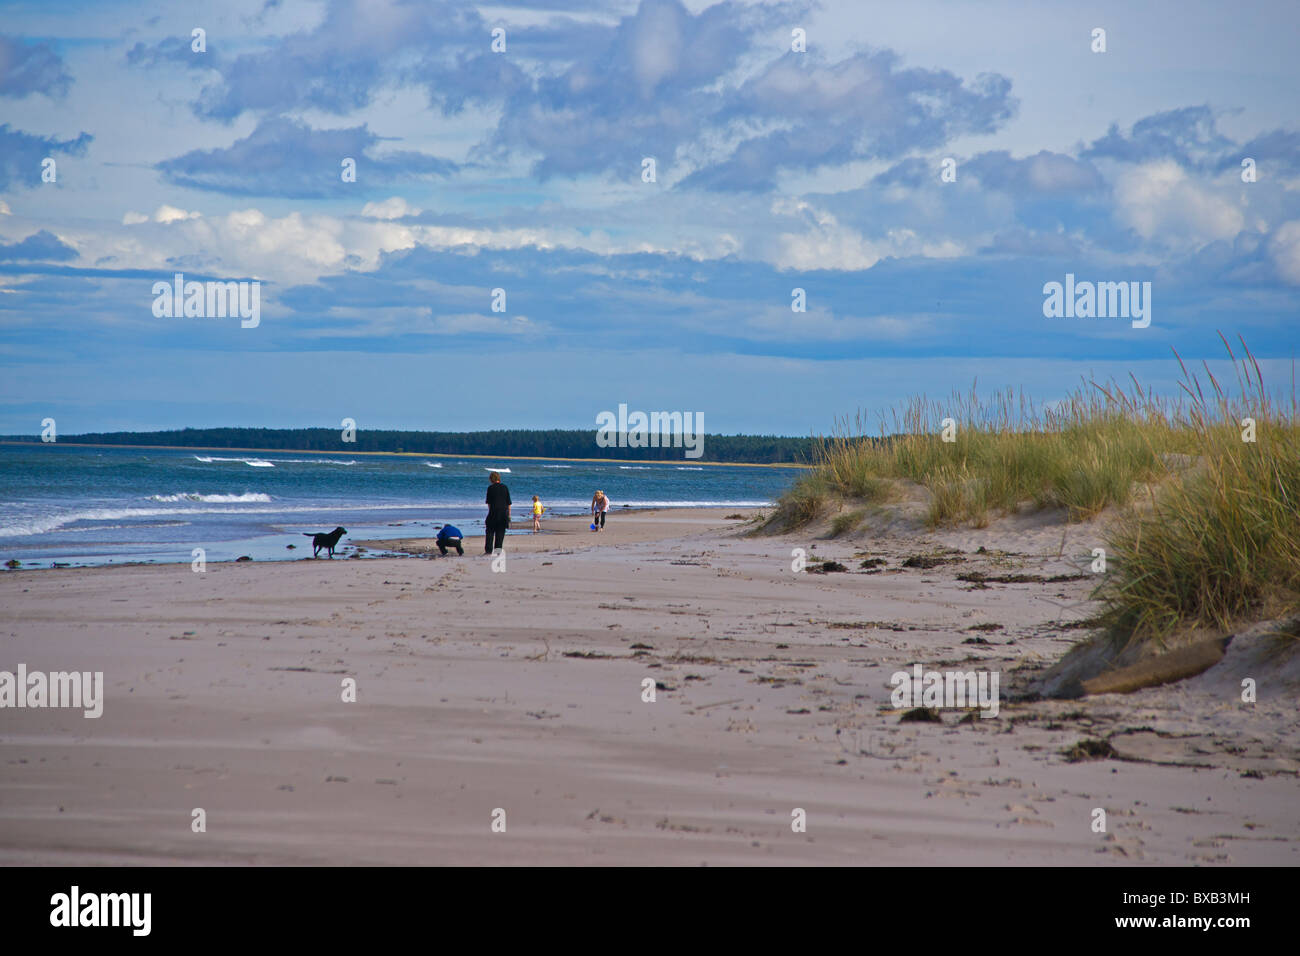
(306,535)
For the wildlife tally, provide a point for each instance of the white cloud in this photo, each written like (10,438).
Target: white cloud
(298,248)
(4,209)
(1284,249)
(166,214)
(1159,200)
(394,208)
(292,248)
(827,244)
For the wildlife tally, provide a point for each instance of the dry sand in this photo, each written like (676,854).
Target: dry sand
(479,690)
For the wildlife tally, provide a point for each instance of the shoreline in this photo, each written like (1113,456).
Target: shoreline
(415,546)
(632,526)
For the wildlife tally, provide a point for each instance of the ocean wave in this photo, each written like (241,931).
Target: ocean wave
(310,461)
(688,468)
(252,497)
(434,464)
(557,466)
(634,468)
(46,524)
(500,471)
(50,523)
(252,462)
(132,527)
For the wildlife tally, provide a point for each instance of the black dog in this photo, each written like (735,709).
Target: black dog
(326,541)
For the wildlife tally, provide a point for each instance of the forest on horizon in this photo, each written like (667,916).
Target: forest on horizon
(513,443)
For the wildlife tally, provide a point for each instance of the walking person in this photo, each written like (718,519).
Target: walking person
(537,514)
(599,505)
(498,516)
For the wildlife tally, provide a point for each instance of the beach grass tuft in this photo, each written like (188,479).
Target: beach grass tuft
(1219,546)
(1001,456)
(1204,488)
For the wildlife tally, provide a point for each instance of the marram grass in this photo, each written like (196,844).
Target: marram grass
(1205,529)
(1220,545)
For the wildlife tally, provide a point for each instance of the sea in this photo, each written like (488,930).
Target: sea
(79,505)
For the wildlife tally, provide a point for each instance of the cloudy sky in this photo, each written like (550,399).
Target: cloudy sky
(525,169)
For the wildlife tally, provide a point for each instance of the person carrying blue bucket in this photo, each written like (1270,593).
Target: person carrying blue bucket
(599,506)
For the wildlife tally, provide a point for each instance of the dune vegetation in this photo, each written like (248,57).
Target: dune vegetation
(1203,491)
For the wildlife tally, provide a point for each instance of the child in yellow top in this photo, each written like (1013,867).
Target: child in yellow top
(537,514)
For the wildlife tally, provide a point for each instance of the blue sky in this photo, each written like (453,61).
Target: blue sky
(523,170)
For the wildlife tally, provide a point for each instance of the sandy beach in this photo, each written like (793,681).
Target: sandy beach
(520,690)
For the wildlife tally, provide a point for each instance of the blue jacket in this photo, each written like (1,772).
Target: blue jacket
(449,531)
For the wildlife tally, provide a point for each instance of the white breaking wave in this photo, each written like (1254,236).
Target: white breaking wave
(434,464)
(310,461)
(252,462)
(634,468)
(252,497)
(687,468)
(500,471)
(49,523)
(557,466)
(272,462)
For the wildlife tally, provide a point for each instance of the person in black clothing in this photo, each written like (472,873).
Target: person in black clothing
(498,516)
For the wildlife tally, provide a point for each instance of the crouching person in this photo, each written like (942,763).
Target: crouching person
(450,537)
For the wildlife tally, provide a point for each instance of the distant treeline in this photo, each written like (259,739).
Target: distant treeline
(515,443)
